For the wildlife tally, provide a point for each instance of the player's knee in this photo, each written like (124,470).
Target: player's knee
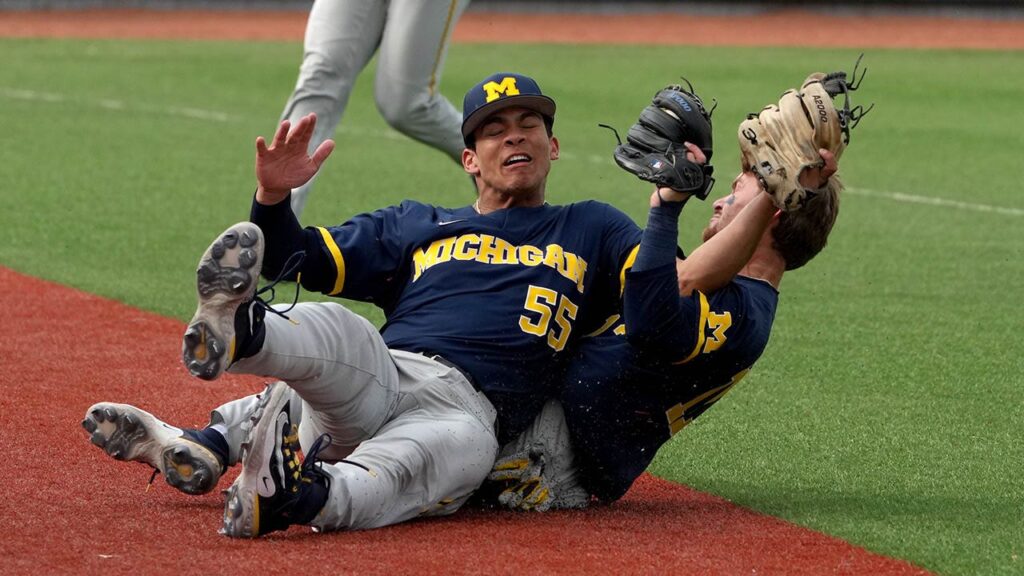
(324,76)
(403,111)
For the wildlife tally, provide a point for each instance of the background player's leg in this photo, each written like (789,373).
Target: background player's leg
(341,37)
(409,68)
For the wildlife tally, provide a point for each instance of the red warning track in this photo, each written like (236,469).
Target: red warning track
(773,28)
(71,509)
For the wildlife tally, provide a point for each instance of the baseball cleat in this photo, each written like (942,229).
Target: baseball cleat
(275,490)
(221,329)
(128,433)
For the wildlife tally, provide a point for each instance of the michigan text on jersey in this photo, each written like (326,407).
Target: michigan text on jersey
(490,250)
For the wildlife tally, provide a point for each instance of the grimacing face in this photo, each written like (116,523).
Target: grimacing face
(513,152)
(745,187)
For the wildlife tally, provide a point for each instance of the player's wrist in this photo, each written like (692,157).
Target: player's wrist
(663,195)
(269,197)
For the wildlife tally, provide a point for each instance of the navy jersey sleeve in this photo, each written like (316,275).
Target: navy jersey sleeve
(658,321)
(360,259)
(282,234)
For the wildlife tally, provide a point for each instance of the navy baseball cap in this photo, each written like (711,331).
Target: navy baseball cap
(500,91)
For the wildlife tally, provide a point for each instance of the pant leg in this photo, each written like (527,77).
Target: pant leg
(426,461)
(410,63)
(341,38)
(232,421)
(337,362)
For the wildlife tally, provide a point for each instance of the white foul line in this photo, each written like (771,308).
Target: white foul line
(914,199)
(111,104)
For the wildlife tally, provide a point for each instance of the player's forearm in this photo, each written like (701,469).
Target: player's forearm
(282,233)
(658,246)
(658,321)
(651,305)
(716,262)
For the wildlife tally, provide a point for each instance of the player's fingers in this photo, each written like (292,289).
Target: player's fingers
(307,128)
(296,130)
(322,152)
(282,133)
(831,165)
(695,154)
(261,146)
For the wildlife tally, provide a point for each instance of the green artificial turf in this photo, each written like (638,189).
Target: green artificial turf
(887,410)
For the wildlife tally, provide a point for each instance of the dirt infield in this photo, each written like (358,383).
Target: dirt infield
(77,511)
(781,28)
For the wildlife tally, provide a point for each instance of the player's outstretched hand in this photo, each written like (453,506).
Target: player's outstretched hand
(286,163)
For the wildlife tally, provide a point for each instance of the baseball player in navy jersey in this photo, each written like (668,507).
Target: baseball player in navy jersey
(482,304)
(410,38)
(692,330)
(635,385)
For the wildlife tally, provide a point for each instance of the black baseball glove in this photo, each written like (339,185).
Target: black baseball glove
(654,148)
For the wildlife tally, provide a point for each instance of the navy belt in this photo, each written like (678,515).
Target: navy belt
(453,366)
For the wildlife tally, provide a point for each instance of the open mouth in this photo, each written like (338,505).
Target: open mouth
(517,159)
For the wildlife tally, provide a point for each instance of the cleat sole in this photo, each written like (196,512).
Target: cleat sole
(226,277)
(127,433)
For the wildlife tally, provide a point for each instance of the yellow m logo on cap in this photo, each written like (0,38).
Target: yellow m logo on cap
(495,90)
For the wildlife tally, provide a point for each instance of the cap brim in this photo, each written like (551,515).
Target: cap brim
(540,104)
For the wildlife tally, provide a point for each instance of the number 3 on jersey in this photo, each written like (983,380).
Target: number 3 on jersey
(547,304)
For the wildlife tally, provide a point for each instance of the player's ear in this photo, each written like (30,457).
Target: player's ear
(469,162)
(554,148)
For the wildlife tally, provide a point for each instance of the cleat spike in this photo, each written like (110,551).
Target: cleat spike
(216,348)
(248,239)
(246,258)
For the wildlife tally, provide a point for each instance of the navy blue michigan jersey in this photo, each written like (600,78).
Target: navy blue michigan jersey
(500,295)
(624,398)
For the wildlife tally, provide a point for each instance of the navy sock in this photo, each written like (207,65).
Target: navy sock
(312,498)
(212,441)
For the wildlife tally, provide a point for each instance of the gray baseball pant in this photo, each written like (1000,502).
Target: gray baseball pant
(425,436)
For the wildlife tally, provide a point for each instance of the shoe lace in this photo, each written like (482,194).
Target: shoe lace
(290,265)
(152,478)
(312,460)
